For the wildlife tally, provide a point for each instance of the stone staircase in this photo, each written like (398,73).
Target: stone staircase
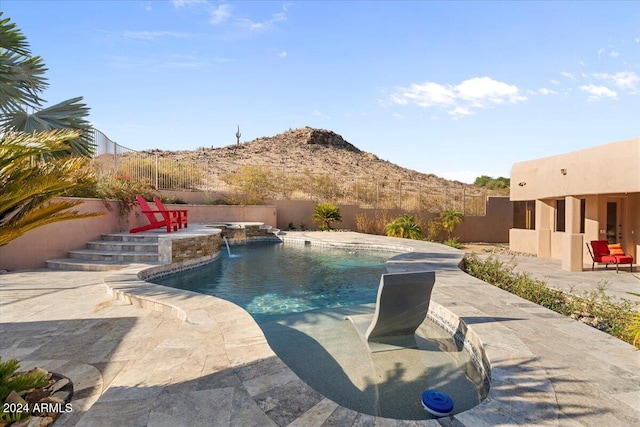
(113,252)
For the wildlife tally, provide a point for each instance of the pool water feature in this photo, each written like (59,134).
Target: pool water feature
(300,295)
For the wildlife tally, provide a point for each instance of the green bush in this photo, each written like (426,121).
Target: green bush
(406,226)
(454,243)
(10,381)
(326,214)
(450,218)
(594,308)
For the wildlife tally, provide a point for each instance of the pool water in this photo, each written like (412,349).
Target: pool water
(300,295)
(274,279)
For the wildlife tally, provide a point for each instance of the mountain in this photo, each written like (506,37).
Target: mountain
(308,150)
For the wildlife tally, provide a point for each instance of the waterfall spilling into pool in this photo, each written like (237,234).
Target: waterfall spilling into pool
(226,242)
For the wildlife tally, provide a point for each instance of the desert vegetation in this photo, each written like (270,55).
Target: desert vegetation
(406,226)
(44,152)
(595,308)
(326,214)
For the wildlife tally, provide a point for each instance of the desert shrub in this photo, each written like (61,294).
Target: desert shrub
(173,200)
(323,186)
(434,229)
(120,187)
(594,308)
(170,174)
(492,183)
(454,243)
(373,224)
(252,185)
(123,189)
(633,330)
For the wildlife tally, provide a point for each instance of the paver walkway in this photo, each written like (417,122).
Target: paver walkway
(141,365)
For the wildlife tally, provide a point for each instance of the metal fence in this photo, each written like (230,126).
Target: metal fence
(247,183)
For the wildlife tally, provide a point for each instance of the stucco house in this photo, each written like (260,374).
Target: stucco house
(562,202)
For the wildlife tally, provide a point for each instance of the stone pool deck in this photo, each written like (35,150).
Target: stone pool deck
(158,356)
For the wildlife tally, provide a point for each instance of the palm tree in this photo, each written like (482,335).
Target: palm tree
(450,218)
(21,75)
(21,81)
(406,226)
(326,213)
(30,178)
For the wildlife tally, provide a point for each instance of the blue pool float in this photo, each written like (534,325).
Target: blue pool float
(437,403)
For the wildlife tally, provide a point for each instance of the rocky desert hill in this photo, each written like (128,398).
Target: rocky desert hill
(315,151)
(303,164)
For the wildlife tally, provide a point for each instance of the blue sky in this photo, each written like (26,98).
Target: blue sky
(458,89)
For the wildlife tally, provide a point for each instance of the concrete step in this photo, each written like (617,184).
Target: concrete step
(70,264)
(129,237)
(99,255)
(113,245)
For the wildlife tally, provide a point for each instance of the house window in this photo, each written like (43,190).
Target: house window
(524,215)
(583,210)
(560,212)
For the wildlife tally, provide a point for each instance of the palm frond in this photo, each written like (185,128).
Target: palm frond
(21,75)
(69,114)
(43,215)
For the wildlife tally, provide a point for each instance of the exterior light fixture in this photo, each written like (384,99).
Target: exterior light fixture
(563,171)
(522,184)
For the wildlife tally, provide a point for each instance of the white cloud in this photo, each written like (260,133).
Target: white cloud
(264,25)
(614,53)
(626,80)
(150,35)
(483,90)
(543,91)
(460,112)
(568,75)
(283,54)
(478,92)
(598,92)
(182,3)
(220,14)
(427,94)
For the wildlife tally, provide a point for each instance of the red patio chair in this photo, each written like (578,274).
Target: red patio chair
(169,218)
(182,213)
(602,252)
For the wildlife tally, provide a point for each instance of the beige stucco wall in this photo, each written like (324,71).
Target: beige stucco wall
(55,240)
(523,241)
(52,241)
(608,168)
(607,173)
(492,228)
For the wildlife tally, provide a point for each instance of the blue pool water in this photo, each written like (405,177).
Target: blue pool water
(275,279)
(300,295)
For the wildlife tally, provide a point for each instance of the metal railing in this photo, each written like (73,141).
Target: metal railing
(275,182)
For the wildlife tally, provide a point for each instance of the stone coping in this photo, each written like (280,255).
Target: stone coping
(544,368)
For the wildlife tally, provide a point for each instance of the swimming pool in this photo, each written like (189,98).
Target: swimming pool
(300,295)
(271,280)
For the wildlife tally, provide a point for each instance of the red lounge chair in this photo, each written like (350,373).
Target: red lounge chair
(169,218)
(602,252)
(182,213)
